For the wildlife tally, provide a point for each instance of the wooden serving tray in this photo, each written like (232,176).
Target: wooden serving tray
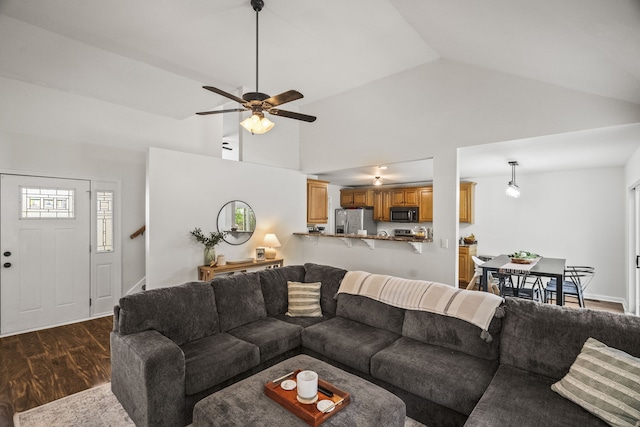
(307,412)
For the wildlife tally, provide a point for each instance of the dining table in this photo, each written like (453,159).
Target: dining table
(544,267)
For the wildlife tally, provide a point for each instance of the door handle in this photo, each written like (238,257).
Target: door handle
(7,253)
(7,265)
(637,261)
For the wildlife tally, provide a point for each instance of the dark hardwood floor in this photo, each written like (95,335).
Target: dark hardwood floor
(38,367)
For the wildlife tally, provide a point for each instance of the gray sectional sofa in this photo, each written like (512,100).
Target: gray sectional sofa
(171,347)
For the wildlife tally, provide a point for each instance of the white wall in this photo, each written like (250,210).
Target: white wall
(632,180)
(437,108)
(578,215)
(24,154)
(185,191)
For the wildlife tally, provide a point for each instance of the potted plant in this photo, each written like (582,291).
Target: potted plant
(209,243)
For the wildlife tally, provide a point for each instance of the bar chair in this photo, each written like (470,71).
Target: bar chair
(576,279)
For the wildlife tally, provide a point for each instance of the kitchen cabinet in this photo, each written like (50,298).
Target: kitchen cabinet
(356,198)
(402,197)
(425,204)
(467,190)
(317,201)
(381,205)
(466,266)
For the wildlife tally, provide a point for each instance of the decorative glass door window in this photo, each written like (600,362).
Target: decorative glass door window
(47,203)
(105,221)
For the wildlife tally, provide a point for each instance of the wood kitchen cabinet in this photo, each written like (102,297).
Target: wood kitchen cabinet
(467,190)
(356,198)
(381,205)
(317,201)
(466,266)
(402,197)
(425,204)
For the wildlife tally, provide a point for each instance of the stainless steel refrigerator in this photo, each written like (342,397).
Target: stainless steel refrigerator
(352,220)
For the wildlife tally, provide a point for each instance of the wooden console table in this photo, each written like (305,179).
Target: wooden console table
(206,273)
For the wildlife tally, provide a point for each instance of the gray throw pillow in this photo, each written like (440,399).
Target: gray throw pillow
(606,382)
(304,299)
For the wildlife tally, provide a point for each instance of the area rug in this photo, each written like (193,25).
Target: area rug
(96,407)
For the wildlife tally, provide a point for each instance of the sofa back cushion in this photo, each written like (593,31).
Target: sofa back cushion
(182,313)
(452,333)
(274,286)
(370,312)
(330,277)
(546,339)
(239,300)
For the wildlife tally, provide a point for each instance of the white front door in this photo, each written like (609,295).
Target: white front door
(45,251)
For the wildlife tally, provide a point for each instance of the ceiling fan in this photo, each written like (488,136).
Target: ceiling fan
(258,102)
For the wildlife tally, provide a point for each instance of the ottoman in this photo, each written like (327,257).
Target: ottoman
(245,404)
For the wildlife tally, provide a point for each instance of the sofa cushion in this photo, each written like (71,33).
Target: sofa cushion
(555,335)
(605,382)
(304,299)
(346,341)
(303,321)
(370,312)
(330,278)
(239,300)
(272,336)
(449,378)
(516,397)
(452,333)
(274,286)
(216,358)
(181,313)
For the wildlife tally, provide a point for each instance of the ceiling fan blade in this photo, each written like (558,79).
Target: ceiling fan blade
(204,113)
(225,94)
(288,96)
(292,115)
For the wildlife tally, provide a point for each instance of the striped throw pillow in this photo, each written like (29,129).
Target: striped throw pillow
(606,382)
(304,299)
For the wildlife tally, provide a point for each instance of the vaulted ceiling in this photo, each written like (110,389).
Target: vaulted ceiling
(154,55)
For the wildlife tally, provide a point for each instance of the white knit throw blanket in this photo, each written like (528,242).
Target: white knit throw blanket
(477,308)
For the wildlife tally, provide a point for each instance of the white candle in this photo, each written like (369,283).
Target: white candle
(307,384)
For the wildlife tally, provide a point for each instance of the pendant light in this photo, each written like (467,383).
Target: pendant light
(512,188)
(377,181)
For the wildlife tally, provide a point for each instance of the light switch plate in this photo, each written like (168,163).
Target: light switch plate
(444,243)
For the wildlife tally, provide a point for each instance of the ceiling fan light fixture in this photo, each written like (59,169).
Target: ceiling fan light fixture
(377,181)
(257,124)
(512,188)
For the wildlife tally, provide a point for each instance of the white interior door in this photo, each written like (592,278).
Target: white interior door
(45,248)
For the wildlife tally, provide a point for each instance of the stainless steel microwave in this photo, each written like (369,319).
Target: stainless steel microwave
(404,214)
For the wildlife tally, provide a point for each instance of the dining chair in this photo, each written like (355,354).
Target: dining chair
(524,286)
(474,283)
(576,279)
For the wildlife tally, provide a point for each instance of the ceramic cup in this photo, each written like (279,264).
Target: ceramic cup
(307,385)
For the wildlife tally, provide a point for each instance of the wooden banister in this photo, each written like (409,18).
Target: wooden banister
(138,232)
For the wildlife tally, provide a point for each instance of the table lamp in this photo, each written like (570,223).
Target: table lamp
(271,241)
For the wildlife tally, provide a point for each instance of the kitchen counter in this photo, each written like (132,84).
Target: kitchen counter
(368,237)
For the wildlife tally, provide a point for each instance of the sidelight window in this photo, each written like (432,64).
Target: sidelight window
(105,221)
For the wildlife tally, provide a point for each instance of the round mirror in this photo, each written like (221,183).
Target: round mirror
(238,221)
